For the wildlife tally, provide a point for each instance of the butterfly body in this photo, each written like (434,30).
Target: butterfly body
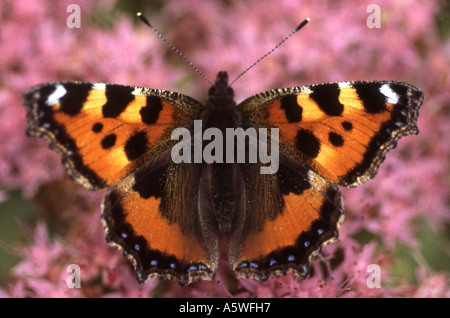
(169,217)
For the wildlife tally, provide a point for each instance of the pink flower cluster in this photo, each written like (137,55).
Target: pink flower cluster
(413,182)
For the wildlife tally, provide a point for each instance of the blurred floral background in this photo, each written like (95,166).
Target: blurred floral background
(400,220)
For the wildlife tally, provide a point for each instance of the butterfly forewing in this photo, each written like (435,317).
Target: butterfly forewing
(342,131)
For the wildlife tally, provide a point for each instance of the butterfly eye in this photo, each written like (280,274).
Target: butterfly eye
(230,92)
(212,91)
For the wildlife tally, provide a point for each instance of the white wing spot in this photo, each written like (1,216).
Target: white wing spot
(101,86)
(54,97)
(306,90)
(138,91)
(344,85)
(392,96)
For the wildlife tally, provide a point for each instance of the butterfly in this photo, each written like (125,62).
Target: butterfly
(168,218)
(184,178)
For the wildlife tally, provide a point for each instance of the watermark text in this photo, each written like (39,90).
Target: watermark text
(236,142)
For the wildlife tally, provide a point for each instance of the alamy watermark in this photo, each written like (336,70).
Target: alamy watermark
(74,279)
(374,279)
(74,19)
(235,139)
(374,19)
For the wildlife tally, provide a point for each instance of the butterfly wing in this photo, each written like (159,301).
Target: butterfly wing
(329,135)
(103,132)
(152,216)
(289,216)
(119,137)
(342,131)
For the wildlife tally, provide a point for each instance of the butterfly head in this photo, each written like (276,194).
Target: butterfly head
(221,88)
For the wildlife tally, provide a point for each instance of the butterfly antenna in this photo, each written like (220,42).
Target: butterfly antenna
(301,25)
(145,20)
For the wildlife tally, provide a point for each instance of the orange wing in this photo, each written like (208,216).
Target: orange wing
(152,217)
(103,132)
(340,130)
(330,134)
(290,216)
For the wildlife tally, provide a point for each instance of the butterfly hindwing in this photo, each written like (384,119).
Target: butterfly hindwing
(305,214)
(340,130)
(103,132)
(153,219)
